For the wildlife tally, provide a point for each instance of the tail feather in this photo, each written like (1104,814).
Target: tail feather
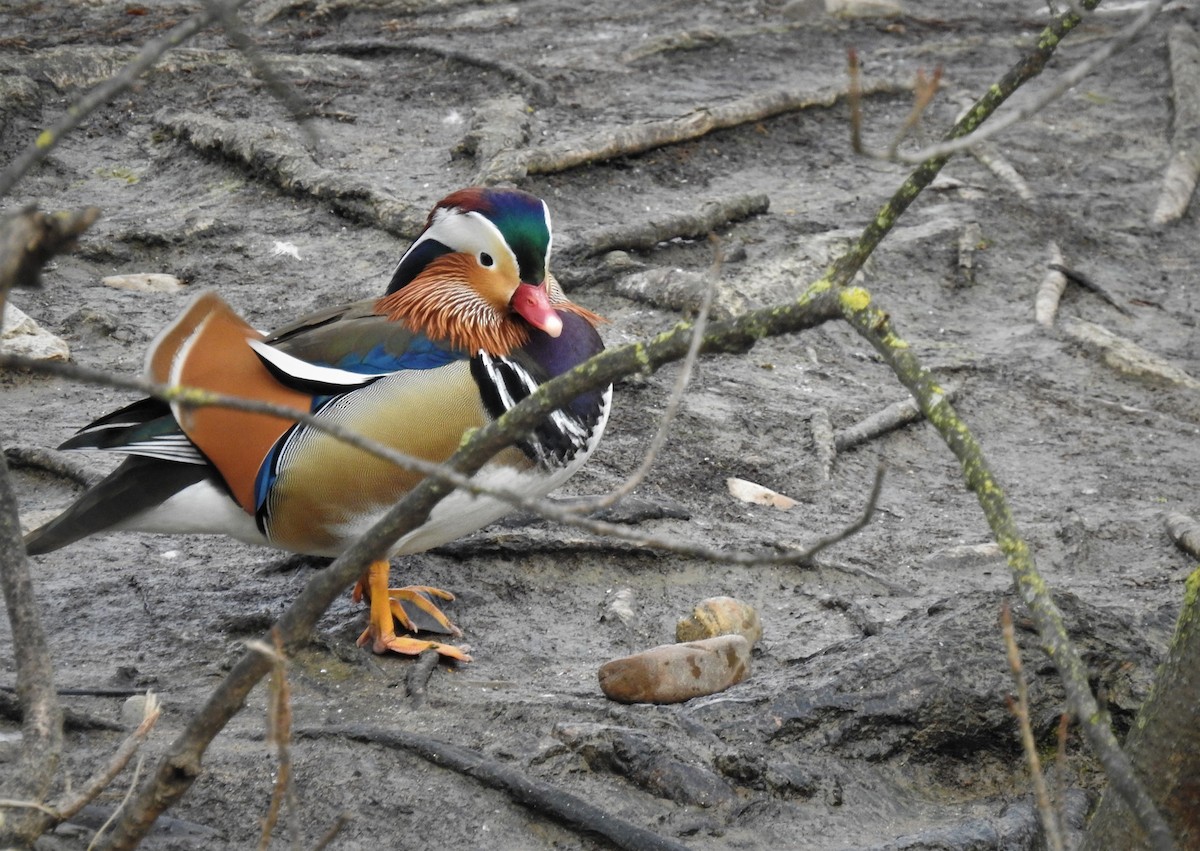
(139,484)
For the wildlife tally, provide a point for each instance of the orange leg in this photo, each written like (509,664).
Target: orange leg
(386,610)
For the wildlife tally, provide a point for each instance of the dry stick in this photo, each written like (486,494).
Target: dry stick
(181,763)
(635,139)
(710,217)
(116,763)
(137,772)
(924,91)
(51,461)
(1124,355)
(1028,67)
(673,401)
(824,442)
(341,821)
(1054,284)
(27,240)
(1185,532)
(1179,181)
(894,416)
(279,733)
(1020,709)
(969,241)
(998,165)
(77,112)
(574,812)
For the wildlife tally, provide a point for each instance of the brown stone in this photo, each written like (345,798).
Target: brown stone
(672,673)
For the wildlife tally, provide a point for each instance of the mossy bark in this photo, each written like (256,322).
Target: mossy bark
(1164,745)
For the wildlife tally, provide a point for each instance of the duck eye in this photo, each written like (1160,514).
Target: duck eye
(485,259)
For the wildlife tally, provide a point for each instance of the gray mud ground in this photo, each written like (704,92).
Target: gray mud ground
(875,714)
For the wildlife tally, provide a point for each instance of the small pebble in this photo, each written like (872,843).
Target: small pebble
(672,673)
(720,616)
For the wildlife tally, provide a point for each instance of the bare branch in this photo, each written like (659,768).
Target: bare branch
(116,763)
(29,238)
(673,401)
(1054,284)
(541,797)
(637,138)
(1020,709)
(1179,181)
(299,111)
(1185,532)
(1024,70)
(78,112)
(710,216)
(1067,81)
(875,326)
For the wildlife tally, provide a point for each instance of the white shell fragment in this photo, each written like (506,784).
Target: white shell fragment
(751,492)
(21,335)
(145,282)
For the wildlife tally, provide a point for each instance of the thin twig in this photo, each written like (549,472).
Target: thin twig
(1050,291)
(299,111)
(854,99)
(50,461)
(1028,67)
(925,89)
(334,829)
(1183,169)
(573,812)
(1020,709)
(1065,82)
(1185,532)
(137,772)
(673,401)
(279,733)
(116,763)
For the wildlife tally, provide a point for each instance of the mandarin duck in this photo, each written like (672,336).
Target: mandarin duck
(471,323)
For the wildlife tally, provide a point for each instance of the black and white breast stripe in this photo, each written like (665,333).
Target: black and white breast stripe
(503,383)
